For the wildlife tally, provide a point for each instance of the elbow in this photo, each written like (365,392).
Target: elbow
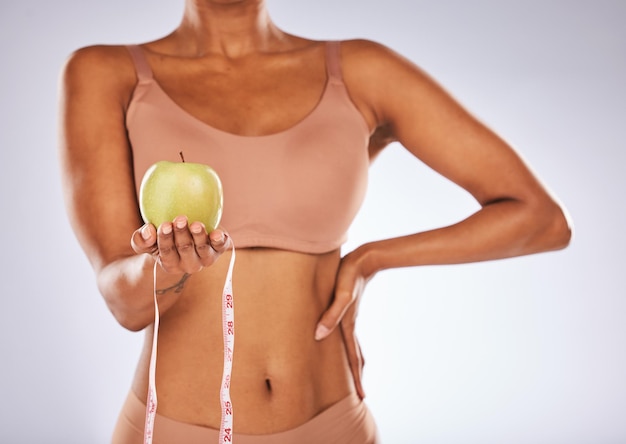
(555,228)
(564,229)
(128,321)
(126,316)
(130,317)
(130,311)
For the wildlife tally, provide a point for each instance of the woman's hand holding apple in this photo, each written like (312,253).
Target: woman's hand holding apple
(170,193)
(180,246)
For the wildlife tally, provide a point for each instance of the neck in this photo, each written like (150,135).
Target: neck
(233,28)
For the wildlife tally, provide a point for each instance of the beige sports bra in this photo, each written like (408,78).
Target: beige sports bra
(298,189)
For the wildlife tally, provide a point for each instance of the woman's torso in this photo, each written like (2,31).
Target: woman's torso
(281,376)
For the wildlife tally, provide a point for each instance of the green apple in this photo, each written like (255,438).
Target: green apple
(170,189)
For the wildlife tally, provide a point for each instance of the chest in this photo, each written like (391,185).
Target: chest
(263,95)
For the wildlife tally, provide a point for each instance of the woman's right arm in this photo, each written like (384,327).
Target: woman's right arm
(98,183)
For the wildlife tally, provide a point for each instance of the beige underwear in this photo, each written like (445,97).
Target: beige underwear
(347,422)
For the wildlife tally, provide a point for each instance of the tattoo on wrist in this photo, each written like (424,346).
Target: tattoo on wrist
(177,287)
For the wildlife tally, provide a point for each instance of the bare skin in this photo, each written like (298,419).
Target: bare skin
(296,350)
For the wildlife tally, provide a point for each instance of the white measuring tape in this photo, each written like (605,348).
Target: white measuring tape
(228,330)
(151,403)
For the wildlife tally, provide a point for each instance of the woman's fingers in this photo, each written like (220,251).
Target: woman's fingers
(220,241)
(348,289)
(144,239)
(167,255)
(181,247)
(187,248)
(189,261)
(353,350)
(201,241)
(343,312)
(331,317)
(209,247)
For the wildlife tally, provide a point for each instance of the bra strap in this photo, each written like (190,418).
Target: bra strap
(144,72)
(333,60)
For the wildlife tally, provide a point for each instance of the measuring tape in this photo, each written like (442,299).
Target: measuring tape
(228,332)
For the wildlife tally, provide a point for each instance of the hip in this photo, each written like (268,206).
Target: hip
(348,421)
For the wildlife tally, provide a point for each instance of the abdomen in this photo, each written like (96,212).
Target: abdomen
(281,376)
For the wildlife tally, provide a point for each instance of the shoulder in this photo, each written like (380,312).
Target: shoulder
(363,47)
(381,70)
(384,72)
(99,67)
(377,75)
(97,59)
(372,57)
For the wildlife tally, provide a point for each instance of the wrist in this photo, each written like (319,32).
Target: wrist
(166,280)
(368,260)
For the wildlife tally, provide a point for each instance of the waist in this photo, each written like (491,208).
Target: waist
(281,376)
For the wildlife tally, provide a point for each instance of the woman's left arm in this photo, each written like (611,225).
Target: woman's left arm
(518,216)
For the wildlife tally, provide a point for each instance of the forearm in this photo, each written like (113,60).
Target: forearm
(502,229)
(127,285)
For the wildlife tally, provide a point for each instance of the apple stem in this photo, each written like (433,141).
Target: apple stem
(180,153)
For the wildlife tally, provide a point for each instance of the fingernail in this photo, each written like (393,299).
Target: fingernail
(166,228)
(321,332)
(145,232)
(180,222)
(220,239)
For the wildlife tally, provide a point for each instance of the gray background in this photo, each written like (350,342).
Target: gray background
(527,350)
